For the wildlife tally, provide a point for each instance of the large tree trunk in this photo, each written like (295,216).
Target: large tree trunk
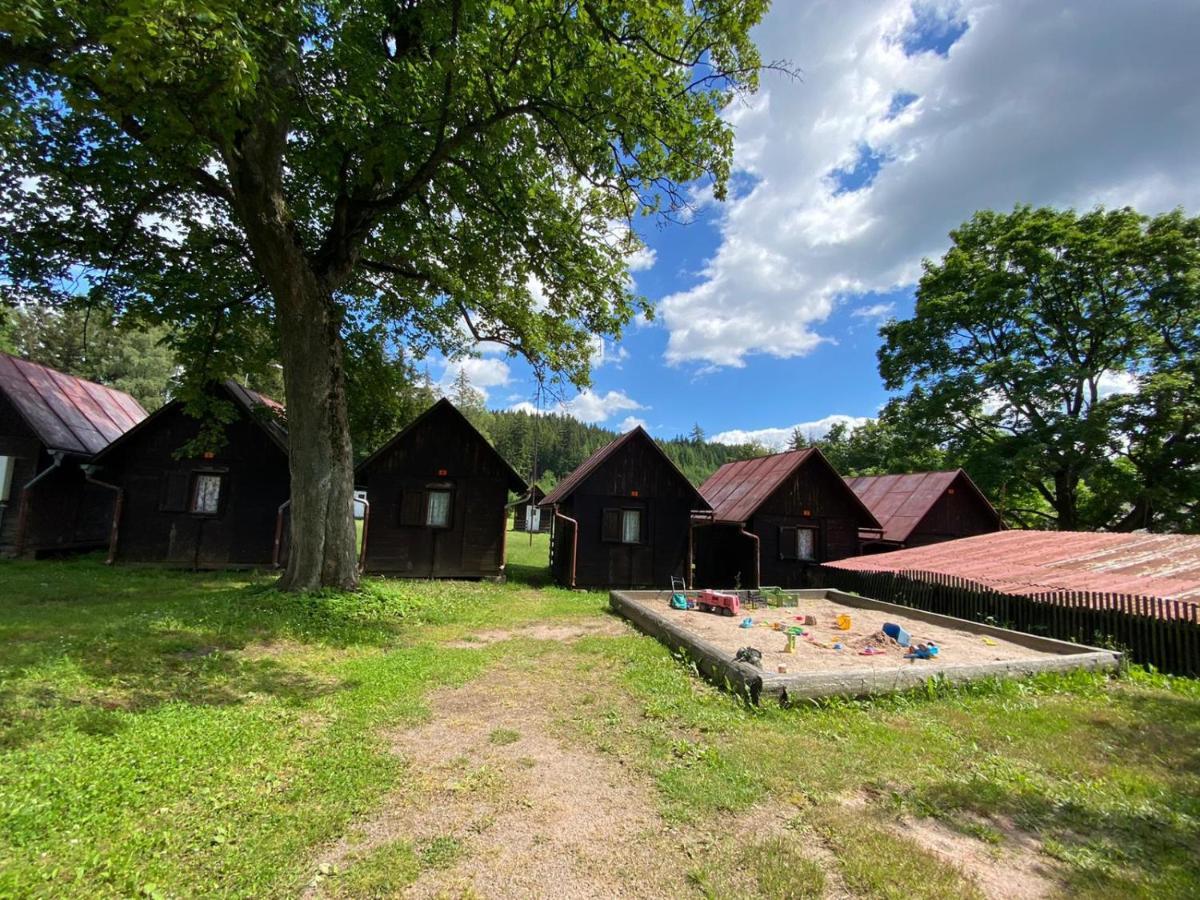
(322,550)
(1066,500)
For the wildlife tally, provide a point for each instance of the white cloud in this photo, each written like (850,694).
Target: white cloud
(588,406)
(642,259)
(779,438)
(1074,103)
(875,311)
(631,422)
(485,374)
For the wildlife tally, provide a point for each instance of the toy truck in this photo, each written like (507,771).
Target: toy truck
(718,602)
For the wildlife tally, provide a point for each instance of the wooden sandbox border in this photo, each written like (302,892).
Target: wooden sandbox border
(649,612)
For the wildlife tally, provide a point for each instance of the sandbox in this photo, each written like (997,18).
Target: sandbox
(966,650)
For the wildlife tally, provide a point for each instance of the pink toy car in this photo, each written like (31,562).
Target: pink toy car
(716,601)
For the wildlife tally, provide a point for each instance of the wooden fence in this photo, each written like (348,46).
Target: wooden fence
(1151,630)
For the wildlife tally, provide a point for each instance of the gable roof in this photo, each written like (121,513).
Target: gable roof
(1030,563)
(445,407)
(738,489)
(67,414)
(268,414)
(900,502)
(584,470)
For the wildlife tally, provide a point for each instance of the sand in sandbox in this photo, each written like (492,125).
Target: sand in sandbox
(956,646)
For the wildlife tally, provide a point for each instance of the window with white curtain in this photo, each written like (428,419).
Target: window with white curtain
(7,464)
(206,493)
(437,509)
(631,526)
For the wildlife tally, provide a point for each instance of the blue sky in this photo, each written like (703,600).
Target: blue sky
(908,118)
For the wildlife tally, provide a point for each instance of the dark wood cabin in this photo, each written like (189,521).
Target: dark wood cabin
(533,497)
(773,517)
(437,493)
(623,518)
(51,427)
(923,508)
(180,505)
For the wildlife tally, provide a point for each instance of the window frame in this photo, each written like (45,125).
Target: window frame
(7,469)
(195,477)
(794,554)
(428,508)
(621,512)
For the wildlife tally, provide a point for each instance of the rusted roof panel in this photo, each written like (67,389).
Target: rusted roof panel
(68,414)
(1040,562)
(737,489)
(900,502)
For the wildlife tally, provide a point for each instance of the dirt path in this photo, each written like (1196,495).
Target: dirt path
(530,814)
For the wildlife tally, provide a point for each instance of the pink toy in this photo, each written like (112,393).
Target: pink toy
(715,601)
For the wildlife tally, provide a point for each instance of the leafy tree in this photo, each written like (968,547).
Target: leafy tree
(449,170)
(1022,331)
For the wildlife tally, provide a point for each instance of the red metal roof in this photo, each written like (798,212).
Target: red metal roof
(571,483)
(738,489)
(1038,562)
(900,502)
(67,413)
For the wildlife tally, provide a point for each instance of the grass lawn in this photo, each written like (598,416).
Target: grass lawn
(178,734)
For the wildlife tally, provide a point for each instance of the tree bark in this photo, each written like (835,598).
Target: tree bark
(321,463)
(322,552)
(1066,499)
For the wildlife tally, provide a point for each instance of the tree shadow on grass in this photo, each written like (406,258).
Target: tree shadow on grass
(74,658)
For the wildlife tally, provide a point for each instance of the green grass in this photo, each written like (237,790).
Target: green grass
(169,733)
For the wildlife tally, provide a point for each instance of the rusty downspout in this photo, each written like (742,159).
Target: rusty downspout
(118,506)
(26,492)
(278,533)
(693,524)
(574,541)
(362,551)
(757,551)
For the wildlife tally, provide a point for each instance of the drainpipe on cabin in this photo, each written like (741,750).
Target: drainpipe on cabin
(693,524)
(757,552)
(23,512)
(362,551)
(574,540)
(278,533)
(118,506)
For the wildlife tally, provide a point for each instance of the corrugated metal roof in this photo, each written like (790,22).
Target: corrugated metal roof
(737,489)
(571,483)
(67,414)
(1038,562)
(900,502)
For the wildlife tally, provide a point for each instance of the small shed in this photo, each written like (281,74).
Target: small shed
(773,516)
(533,497)
(923,508)
(437,493)
(622,519)
(181,505)
(51,426)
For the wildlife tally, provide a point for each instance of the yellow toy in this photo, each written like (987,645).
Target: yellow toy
(843,622)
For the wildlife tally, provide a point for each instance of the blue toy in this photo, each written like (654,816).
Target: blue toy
(896,633)
(747,622)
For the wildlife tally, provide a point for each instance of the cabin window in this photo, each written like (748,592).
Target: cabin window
(7,464)
(206,493)
(623,526)
(437,509)
(798,543)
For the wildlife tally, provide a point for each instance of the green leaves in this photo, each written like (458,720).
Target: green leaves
(1042,346)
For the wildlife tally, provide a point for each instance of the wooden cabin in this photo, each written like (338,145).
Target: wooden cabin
(623,518)
(923,508)
(773,516)
(182,505)
(51,426)
(437,495)
(533,497)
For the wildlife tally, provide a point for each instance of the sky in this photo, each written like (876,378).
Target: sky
(907,117)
